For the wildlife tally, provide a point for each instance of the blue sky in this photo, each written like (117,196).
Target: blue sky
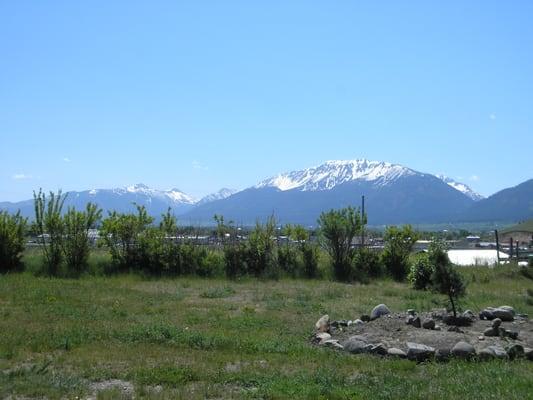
(207,94)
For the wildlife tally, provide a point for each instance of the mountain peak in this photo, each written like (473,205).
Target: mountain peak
(220,195)
(463,188)
(336,172)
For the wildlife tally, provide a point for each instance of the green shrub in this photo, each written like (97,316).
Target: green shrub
(235,256)
(12,230)
(49,227)
(398,245)
(288,260)
(76,237)
(366,264)
(310,256)
(420,273)
(337,231)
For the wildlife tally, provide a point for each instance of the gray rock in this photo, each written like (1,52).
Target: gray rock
(379,311)
(358,322)
(491,332)
(504,314)
(365,318)
(378,349)
(515,351)
(496,323)
(414,321)
(463,350)
(419,352)
(322,325)
(528,353)
(394,352)
(428,323)
(334,344)
(486,314)
(411,311)
(492,352)
(469,314)
(321,337)
(443,354)
(508,308)
(355,345)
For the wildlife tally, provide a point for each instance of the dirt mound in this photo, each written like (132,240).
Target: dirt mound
(401,331)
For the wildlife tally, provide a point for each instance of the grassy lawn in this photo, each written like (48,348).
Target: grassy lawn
(194,338)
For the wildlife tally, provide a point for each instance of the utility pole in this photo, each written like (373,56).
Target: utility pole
(497,245)
(363,218)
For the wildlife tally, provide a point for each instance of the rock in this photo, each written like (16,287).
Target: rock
(528,353)
(507,308)
(414,321)
(321,337)
(492,352)
(358,322)
(428,323)
(339,324)
(496,323)
(443,354)
(334,344)
(322,325)
(394,352)
(507,333)
(378,349)
(481,338)
(419,352)
(486,314)
(355,345)
(504,313)
(411,311)
(379,311)
(365,318)
(463,350)
(469,314)
(491,332)
(515,351)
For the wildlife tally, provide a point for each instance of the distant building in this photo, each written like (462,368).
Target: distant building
(521,233)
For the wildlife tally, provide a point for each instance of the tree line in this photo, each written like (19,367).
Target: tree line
(136,244)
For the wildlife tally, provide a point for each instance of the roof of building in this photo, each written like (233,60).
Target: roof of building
(526,226)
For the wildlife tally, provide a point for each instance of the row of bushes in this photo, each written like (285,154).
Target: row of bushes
(136,244)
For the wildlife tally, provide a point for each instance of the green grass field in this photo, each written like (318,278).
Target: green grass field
(193,338)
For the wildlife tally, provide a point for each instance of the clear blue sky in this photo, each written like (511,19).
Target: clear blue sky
(201,95)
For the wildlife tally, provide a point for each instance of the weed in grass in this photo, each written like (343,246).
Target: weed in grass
(218,292)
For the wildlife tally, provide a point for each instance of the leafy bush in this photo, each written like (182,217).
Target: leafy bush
(398,245)
(288,260)
(261,257)
(310,260)
(76,237)
(337,231)
(366,264)
(235,256)
(121,234)
(49,227)
(12,230)
(420,273)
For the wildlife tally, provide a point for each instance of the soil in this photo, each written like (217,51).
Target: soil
(392,331)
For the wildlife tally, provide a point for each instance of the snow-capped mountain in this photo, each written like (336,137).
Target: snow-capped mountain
(333,173)
(220,195)
(394,194)
(120,199)
(463,188)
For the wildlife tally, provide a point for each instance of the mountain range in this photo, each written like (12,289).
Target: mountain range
(394,194)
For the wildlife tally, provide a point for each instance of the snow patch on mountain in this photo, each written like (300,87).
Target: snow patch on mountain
(333,173)
(220,195)
(461,187)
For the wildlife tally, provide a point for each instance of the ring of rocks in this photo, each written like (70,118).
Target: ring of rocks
(493,333)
